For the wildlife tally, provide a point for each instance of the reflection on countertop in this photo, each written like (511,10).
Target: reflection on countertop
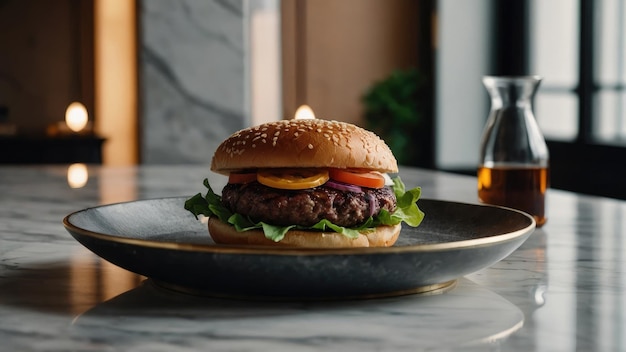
(104,303)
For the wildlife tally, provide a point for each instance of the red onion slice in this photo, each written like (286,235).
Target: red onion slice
(372,201)
(343,186)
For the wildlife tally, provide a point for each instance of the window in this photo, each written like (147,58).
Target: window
(553,54)
(572,51)
(610,71)
(579,47)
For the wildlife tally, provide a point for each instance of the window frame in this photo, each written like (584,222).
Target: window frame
(582,165)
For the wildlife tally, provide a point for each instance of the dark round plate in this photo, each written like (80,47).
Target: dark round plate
(159,239)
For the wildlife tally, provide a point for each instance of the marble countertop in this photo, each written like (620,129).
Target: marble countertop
(564,289)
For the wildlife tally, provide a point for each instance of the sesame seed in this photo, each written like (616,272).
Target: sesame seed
(310,146)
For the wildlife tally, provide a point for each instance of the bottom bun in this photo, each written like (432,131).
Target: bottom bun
(382,236)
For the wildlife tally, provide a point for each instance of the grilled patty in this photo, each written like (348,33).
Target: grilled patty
(306,207)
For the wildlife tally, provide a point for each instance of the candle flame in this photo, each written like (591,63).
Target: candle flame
(304,112)
(77,175)
(76,116)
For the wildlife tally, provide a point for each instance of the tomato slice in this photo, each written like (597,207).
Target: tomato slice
(370,179)
(292,178)
(241,177)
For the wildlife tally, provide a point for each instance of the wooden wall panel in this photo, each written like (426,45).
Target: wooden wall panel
(46,61)
(334,50)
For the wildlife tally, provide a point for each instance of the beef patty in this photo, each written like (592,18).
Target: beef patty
(306,207)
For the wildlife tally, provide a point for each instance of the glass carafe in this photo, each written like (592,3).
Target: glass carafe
(513,169)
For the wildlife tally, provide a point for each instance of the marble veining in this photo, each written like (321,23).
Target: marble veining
(192,64)
(564,289)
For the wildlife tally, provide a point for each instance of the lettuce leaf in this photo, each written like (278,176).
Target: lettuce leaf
(407,211)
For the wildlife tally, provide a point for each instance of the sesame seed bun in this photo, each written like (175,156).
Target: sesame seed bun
(303,143)
(382,236)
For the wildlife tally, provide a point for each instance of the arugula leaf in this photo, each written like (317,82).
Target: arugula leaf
(324,225)
(274,232)
(198,205)
(407,211)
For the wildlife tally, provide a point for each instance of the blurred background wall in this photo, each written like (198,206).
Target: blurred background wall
(45,60)
(164,82)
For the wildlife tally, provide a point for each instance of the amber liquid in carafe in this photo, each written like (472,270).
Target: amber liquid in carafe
(522,188)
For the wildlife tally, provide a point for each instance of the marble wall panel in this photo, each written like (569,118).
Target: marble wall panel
(192,78)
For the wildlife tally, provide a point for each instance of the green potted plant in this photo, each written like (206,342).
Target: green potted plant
(396,109)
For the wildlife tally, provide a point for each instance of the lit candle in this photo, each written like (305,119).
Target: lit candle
(304,112)
(76,116)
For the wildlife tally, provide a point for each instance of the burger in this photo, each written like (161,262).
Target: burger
(306,183)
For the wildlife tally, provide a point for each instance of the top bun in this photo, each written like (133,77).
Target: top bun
(303,143)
